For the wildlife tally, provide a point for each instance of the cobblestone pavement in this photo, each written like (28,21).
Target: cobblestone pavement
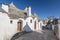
(45,35)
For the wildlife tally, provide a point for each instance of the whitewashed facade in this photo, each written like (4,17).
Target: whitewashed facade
(13,20)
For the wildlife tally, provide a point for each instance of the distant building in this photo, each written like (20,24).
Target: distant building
(56,27)
(48,22)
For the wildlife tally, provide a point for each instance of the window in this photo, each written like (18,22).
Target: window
(11,21)
(30,21)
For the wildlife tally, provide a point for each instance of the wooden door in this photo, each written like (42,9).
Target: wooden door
(19,28)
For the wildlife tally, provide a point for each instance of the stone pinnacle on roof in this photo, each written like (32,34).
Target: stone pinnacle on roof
(12,4)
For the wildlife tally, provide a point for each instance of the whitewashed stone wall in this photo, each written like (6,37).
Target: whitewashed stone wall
(4,25)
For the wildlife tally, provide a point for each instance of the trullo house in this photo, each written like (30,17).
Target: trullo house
(13,20)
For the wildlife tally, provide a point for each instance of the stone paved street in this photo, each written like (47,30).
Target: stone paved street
(45,35)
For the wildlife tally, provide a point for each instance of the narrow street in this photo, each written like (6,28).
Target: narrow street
(48,35)
(45,35)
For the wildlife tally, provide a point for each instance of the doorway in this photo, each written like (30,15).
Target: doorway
(35,26)
(19,27)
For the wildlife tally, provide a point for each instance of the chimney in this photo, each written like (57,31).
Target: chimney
(28,10)
(5,7)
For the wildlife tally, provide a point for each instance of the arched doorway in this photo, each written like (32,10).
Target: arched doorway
(35,25)
(19,26)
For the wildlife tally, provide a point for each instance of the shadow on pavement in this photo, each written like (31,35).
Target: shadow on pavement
(19,34)
(45,35)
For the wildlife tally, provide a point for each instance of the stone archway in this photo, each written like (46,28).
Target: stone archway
(19,26)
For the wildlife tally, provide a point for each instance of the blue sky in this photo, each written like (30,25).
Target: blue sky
(43,8)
